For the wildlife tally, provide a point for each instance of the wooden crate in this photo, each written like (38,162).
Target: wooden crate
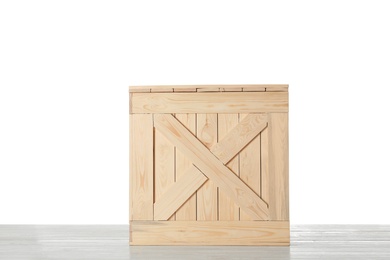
(209,165)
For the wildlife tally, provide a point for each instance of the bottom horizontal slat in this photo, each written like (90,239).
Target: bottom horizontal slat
(209,233)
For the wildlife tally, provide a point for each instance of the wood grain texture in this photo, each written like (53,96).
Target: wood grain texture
(175,196)
(207,195)
(250,126)
(184,89)
(209,233)
(227,209)
(231,89)
(253,89)
(278,166)
(164,166)
(209,102)
(279,88)
(250,166)
(161,90)
(207,89)
(141,167)
(222,88)
(188,210)
(264,164)
(225,179)
(213,159)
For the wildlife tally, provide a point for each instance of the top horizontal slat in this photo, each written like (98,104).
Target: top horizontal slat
(209,102)
(210,88)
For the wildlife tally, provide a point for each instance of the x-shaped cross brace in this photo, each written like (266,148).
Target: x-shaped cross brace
(210,164)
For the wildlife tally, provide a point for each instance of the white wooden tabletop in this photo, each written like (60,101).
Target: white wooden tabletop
(96,242)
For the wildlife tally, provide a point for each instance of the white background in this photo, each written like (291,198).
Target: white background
(65,68)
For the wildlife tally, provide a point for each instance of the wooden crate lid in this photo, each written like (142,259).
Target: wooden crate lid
(210,88)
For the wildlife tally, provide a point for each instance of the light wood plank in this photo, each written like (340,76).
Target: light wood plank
(277,88)
(207,89)
(228,210)
(188,210)
(177,194)
(179,89)
(264,163)
(229,88)
(209,233)
(161,90)
(250,126)
(141,167)
(207,195)
(174,197)
(212,167)
(208,102)
(267,88)
(253,89)
(278,167)
(145,90)
(164,165)
(250,167)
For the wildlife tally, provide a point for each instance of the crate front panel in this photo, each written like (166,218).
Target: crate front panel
(209,167)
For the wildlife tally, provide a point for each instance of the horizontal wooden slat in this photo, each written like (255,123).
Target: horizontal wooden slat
(276,89)
(230,89)
(202,88)
(141,90)
(207,89)
(209,233)
(161,90)
(209,102)
(179,89)
(253,89)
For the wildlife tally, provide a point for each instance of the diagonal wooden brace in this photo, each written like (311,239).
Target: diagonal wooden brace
(210,163)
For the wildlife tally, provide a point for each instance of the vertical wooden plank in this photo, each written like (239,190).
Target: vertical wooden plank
(141,167)
(250,167)
(228,210)
(207,201)
(164,165)
(264,162)
(188,210)
(278,166)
